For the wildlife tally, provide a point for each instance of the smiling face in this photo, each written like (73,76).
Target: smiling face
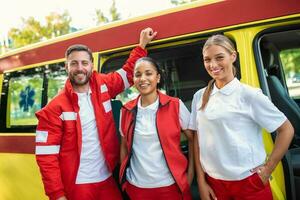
(218,62)
(146,78)
(79,68)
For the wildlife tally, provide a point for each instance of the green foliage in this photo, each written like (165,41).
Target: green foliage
(179,2)
(33,31)
(57,24)
(100,18)
(114,15)
(28,34)
(291,61)
(55,84)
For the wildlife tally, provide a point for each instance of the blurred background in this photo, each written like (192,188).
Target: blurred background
(27,22)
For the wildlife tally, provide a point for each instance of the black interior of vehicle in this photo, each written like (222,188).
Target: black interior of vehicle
(271,44)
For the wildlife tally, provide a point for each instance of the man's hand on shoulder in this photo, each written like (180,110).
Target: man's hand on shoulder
(146,36)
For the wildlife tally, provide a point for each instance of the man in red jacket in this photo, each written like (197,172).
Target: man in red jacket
(76,143)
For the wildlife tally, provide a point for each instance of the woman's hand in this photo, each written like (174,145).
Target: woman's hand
(206,192)
(263,172)
(190,176)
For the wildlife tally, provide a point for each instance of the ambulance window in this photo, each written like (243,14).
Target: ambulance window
(113,64)
(183,69)
(56,76)
(290,59)
(280,54)
(24,97)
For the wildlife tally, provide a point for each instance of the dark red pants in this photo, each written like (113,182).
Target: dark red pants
(250,188)
(161,193)
(104,190)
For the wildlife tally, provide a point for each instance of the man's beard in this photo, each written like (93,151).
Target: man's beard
(76,82)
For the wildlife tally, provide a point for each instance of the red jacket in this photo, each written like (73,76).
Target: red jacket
(58,135)
(168,129)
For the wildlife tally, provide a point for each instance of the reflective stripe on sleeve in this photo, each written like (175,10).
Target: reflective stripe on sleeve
(123,74)
(47,150)
(107,106)
(68,116)
(103,88)
(41,136)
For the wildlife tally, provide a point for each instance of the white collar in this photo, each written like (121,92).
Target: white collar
(84,93)
(227,89)
(152,106)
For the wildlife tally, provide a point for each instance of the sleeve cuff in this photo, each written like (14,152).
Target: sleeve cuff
(56,195)
(141,50)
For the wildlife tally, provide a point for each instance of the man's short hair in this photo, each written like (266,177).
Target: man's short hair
(79,47)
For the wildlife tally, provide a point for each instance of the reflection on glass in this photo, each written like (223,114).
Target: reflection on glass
(290,59)
(24,99)
(57,76)
(55,83)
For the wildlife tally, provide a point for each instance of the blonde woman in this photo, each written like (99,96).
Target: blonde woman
(228,116)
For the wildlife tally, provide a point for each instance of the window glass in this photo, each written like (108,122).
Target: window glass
(113,65)
(24,99)
(290,59)
(184,76)
(183,72)
(57,77)
(183,69)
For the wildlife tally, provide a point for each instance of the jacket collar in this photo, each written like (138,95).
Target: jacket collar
(163,100)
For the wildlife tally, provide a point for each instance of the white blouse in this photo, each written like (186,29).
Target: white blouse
(229,129)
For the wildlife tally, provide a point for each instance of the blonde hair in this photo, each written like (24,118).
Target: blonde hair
(226,43)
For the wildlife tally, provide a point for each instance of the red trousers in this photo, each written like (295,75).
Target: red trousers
(161,193)
(250,188)
(104,190)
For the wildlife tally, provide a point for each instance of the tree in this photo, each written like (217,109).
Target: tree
(114,15)
(5,44)
(28,34)
(291,61)
(100,18)
(57,24)
(33,31)
(178,2)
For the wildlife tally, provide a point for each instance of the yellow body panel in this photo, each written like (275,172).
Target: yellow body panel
(20,178)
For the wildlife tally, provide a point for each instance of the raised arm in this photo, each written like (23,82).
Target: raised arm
(122,79)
